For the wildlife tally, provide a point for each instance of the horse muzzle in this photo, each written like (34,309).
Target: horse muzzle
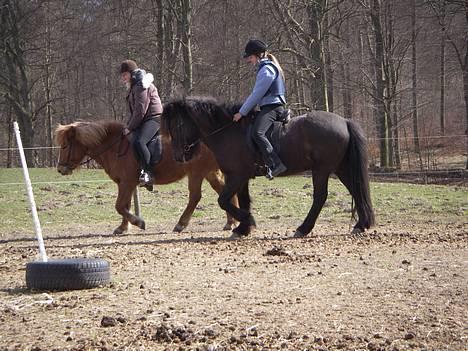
(64,169)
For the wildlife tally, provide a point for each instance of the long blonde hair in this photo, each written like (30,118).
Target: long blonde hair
(273,59)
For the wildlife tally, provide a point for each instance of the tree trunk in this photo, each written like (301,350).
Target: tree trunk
(49,122)
(465,83)
(346,78)
(381,114)
(345,87)
(160,57)
(414,90)
(186,23)
(327,62)
(17,90)
(442,69)
(319,90)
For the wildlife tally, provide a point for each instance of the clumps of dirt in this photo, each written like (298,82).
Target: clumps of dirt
(170,334)
(274,192)
(180,334)
(276,251)
(108,321)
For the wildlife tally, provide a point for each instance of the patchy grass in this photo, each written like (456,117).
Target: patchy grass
(87,197)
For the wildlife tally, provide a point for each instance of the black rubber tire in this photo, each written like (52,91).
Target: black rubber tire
(67,274)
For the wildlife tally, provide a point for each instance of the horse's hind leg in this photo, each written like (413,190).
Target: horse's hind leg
(320,183)
(194,185)
(216,181)
(122,205)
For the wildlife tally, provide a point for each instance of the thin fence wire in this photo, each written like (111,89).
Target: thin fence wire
(30,148)
(403,174)
(433,169)
(368,139)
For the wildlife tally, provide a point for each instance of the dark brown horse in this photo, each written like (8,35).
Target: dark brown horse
(103,142)
(319,141)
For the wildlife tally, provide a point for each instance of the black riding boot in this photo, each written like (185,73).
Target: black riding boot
(274,166)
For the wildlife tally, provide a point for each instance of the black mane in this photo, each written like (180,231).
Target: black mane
(206,109)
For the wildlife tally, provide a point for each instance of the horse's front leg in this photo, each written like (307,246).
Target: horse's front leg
(194,186)
(216,181)
(235,185)
(122,205)
(123,227)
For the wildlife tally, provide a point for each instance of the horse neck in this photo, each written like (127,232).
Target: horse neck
(106,153)
(207,129)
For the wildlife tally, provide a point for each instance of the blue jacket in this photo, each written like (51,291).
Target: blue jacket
(269,88)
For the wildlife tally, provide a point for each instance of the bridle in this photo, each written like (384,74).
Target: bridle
(91,157)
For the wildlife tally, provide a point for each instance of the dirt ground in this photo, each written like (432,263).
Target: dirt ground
(400,287)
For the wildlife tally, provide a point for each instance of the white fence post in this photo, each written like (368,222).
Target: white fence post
(32,203)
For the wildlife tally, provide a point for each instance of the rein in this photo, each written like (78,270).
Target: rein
(189,147)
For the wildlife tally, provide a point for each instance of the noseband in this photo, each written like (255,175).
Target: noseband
(67,163)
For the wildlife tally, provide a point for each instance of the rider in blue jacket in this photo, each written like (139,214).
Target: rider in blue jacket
(269,93)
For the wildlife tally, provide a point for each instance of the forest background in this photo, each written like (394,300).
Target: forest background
(399,67)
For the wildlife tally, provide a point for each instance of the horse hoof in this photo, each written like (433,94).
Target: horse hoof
(228,226)
(357,231)
(236,236)
(299,234)
(178,228)
(140,224)
(242,230)
(118,231)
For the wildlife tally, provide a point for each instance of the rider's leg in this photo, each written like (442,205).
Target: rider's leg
(144,134)
(262,123)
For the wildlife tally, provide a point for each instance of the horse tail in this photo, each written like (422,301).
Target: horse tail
(359,176)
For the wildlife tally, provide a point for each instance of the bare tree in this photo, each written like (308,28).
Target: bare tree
(414,82)
(14,80)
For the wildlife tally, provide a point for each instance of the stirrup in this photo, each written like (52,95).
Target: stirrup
(269,173)
(279,168)
(145,179)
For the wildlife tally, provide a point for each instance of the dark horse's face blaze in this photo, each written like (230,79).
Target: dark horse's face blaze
(184,133)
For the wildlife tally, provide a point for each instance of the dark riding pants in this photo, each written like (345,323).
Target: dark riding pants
(262,122)
(142,137)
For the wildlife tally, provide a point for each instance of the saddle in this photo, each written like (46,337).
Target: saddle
(154,147)
(274,134)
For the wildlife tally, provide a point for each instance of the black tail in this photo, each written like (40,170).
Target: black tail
(357,160)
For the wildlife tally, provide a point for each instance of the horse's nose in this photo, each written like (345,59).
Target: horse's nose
(63,170)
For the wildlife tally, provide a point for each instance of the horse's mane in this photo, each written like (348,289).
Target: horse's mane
(89,134)
(215,113)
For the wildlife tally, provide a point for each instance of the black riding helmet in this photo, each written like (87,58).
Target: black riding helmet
(254,47)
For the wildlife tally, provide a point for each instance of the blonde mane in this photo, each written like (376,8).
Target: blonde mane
(88,134)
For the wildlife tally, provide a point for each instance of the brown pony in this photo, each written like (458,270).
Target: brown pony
(103,142)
